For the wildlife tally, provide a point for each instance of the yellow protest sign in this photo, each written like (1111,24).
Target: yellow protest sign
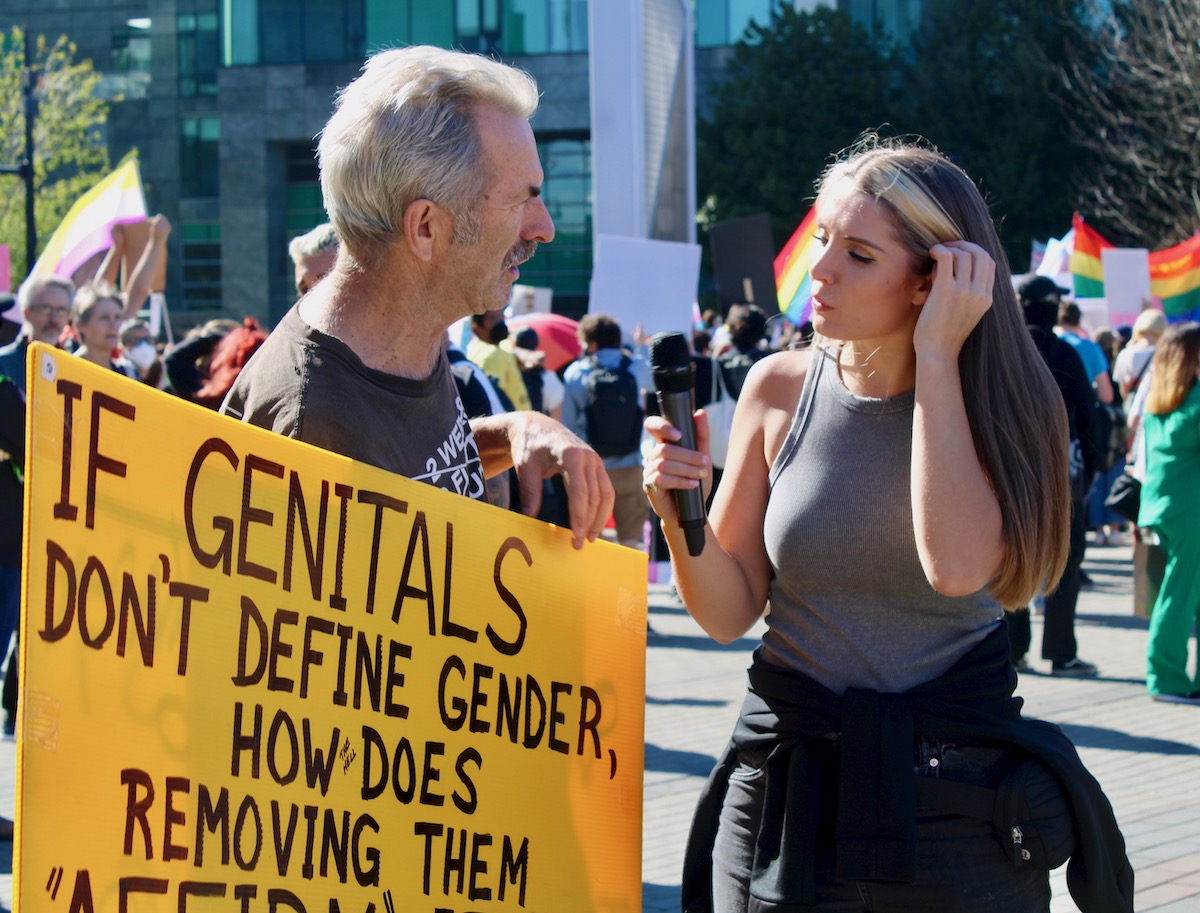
(259,676)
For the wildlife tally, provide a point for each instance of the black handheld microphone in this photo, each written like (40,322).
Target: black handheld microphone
(675,380)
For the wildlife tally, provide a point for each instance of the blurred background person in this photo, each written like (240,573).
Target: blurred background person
(1095,361)
(604,404)
(229,356)
(1170,495)
(1107,526)
(45,303)
(747,325)
(544,387)
(546,394)
(1040,299)
(137,345)
(187,362)
(313,256)
(96,317)
(140,282)
(488,331)
(1135,357)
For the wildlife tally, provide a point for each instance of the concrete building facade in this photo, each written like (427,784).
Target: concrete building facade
(224,99)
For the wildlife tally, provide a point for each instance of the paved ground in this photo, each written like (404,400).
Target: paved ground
(1145,754)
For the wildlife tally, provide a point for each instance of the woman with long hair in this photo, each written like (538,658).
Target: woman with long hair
(1133,360)
(1170,493)
(888,494)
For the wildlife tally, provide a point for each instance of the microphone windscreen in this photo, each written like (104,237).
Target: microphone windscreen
(669,350)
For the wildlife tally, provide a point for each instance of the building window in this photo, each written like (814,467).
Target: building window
(392,23)
(304,208)
(515,27)
(130,74)
(199,161)
(199,40)
(202,266)
(477,25)
(565,265)
(287,31)
(723,22)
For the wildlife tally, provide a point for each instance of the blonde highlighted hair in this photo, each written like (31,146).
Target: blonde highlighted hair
(1017,415)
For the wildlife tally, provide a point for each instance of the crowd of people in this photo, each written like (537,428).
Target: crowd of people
(866,492)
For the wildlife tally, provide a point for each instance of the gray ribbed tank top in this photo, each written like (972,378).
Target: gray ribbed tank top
(849,602)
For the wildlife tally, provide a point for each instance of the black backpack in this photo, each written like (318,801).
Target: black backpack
(614,418)
(1111,434)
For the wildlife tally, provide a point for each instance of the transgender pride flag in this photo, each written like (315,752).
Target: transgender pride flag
(792,279)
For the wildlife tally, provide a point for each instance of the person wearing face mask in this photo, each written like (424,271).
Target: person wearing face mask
(488,331)
(139,349)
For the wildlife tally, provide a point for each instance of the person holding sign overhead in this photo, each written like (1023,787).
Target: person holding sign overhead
(431,179)
(874,501)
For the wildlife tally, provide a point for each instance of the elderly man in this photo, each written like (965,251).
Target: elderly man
(45,303)
(313,255)
(431,179)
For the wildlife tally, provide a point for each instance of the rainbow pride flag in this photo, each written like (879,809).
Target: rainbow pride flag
(1175,280)
(792,280)
(1086,268)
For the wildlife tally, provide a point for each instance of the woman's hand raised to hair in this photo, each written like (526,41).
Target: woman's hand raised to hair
(963,278)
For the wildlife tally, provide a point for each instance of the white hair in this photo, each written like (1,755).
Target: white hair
(312,242)
(35,284)
(405,130)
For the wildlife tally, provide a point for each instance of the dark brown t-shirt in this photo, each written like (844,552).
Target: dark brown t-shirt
(310,386)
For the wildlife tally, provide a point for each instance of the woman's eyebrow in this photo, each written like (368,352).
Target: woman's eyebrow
(865,242)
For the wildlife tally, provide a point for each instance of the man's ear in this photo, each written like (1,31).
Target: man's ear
(427,226)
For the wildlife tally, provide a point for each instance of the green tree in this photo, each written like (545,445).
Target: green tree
(796,91)
(1135,93)
(980,83)
(69,151)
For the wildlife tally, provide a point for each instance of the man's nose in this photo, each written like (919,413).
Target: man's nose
(539,227)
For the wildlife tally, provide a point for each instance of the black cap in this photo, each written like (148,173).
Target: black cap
(1040,288)
(526,338)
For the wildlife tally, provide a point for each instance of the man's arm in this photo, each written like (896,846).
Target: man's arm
(539,447)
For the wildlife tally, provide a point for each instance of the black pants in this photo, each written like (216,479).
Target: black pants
(1058,633)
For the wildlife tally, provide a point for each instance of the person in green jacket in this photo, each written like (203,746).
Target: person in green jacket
(1170,492)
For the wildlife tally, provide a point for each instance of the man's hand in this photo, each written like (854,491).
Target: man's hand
(538,447)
